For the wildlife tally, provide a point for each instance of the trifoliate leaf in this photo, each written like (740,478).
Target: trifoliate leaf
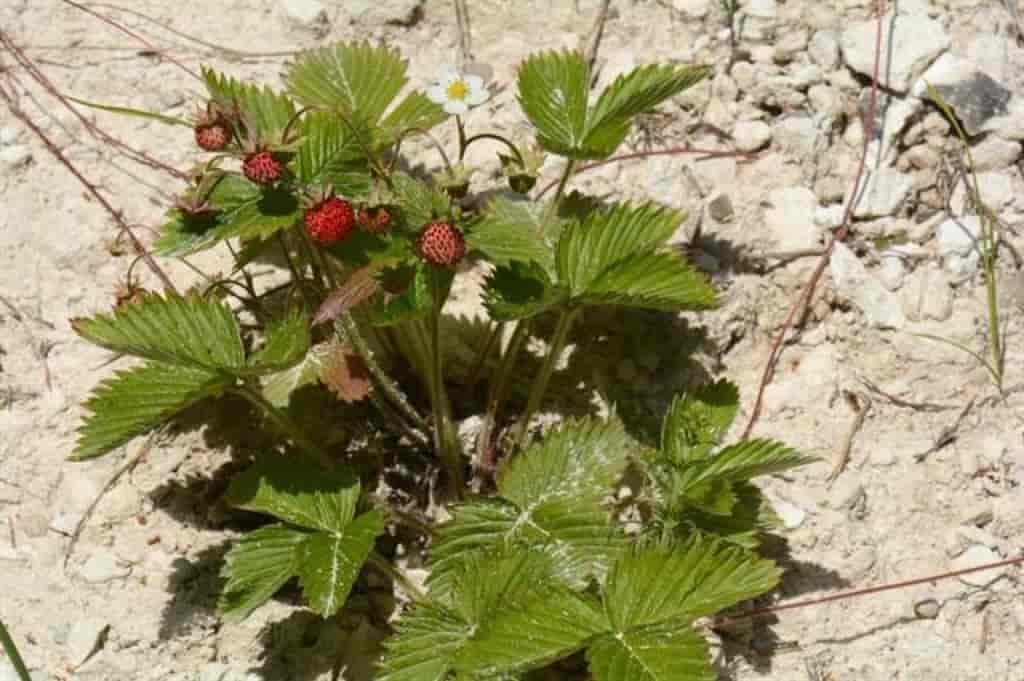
(630,94)
(579,460)
(657,653)
(297,491)
(415,112)
(265,113)
(329,562)
(750,517)
(698,420)
(331,154)
(188,331)
(257,567)
(357,80)
(742,461)
(519,291)
(655,281)
(278,387)
(553,95)
(420,203)
(424,645)
(663,583)
(134,402)
(287,344)
(589,249)
(513,231)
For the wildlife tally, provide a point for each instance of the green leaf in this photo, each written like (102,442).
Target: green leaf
(606,238)
(278,387)
(634,93)
(656,281)
(189,331)
(287,344)
(257,567)
(519,291)
(183,235)
(420,202)
(297,491)
(359,80)
(513,231)
(329,563)
(579,460)
(553,95)
(265,113)
(742,461)
(330,154)
(253,213)
(658,653)
(134,402)
(414,301)
(128,111)
(663,583)
(415,112)
(698,420)
(750,517)
(424,645)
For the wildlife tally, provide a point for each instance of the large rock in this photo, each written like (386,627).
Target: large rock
(910,43)
(880,307)
(975,97)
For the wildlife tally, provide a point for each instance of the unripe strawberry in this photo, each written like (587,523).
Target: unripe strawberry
(262,168)
(374,220)
(442,244)
(330,220)
(212,136)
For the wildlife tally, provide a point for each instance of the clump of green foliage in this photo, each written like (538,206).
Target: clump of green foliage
(533,562)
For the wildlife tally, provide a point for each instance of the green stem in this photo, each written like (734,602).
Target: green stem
(540,384)
(297,276)
(286,424)
(498,138)
(11,651)
(407,585)
(992,295)
(351,333)
(552,210)
(462,138)
(496,395)
(446,441)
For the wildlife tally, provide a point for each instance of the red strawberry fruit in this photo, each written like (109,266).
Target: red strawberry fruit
(262,168)
(212,136)
(442,244)
(329,220)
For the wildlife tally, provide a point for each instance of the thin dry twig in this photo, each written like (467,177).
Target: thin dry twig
(900,402)
(596,33)
(861,405)
(947,435)
(90,187)
(798,310)
(127,467)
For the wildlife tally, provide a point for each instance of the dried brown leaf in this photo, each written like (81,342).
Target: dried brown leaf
(346,374)
(360,286)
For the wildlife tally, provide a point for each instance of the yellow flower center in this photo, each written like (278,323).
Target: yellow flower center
(458,90)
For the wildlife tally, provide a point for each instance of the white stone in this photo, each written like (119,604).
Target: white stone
(400,12)
(958,236)
(892,271)
(885,191)
(881,308)
(102,567)
(790,218)
(994,153)
(761,9)
(1010,126)
(977,556)
(86,636)
(752,135)
(796,135)
(910,43)
(8,136)
(998,190)
(829,217)
(697,9)
(309,14)
(824,50)
(791,516)
(14,157)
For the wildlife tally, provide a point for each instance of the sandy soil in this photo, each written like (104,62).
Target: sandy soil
(133,598)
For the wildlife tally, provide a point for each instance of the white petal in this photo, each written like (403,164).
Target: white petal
(449,73)
(474,82)
(456,107)
(438,94)
(476,97)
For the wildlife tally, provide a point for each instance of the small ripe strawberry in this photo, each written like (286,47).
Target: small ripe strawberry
(374,220)
(262,168)
(442,244)
(329,220)
(212,136)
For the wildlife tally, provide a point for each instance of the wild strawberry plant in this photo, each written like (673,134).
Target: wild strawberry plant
(532,562)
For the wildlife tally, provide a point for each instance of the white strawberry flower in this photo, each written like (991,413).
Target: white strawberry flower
(458,92)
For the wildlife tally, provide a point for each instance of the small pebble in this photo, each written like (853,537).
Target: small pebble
(927,609)
(977,556)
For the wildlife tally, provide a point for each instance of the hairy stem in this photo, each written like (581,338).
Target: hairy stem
(540,384)
(285,424)
(446,441)
(496,396)
(498,138)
